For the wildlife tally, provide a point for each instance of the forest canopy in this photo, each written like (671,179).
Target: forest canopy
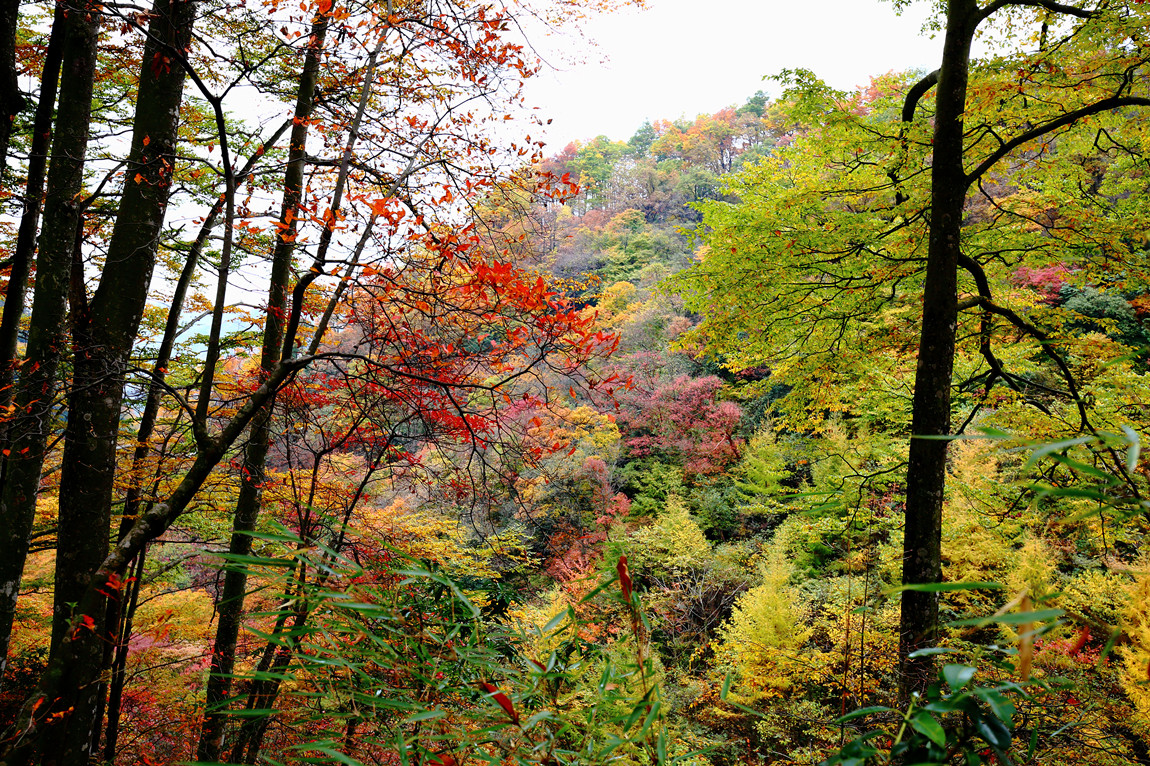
(343,421)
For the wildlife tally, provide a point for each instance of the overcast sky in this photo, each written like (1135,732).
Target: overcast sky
(688,57)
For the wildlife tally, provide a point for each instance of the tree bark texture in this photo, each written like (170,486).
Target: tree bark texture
(11,100)
(33,204)
(102,344)
(930,423)
(36,388)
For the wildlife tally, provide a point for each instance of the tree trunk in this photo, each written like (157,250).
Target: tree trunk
(11,102)
(930,424)
(36,390)
(103,344)
(120,663)
(30,216)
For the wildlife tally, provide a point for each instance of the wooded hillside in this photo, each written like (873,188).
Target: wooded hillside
(342,424)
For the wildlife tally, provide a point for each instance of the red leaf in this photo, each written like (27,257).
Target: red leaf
(502,700)
(624,577)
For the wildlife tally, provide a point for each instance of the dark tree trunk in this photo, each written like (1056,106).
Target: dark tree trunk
(11,101)
(120,616)
(36,390)
(30,216)
(120,663)
(926,472)
(103,343)
(231,602)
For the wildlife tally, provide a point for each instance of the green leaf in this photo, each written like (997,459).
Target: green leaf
(542,715)
(613,742)
(863,711)
(924,723)
(937,587)
(554,622)
(652,714)
(992,730)
(331,753)
(1114,636)
(1135,448)
(426,715)
(957,676)
(726,686)
(1085,469)
(998,703)
(258,712)
(1047,449)
(987,432)
(945,705)
(931,651)
(1015,618)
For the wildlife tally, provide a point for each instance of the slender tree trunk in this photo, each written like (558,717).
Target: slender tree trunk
(231,602)
(36,391)
(11,101)
(120,664)
(926,472)
(30,217)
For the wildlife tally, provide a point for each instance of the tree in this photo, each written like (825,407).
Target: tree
(1110,85)
(845,229)
(681,420)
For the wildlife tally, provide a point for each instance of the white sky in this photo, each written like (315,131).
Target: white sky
(689,57)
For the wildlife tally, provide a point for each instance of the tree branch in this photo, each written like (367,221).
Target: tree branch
(913,96)
(1044,339)
(1049,5)
(1105,105)
(916,92)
